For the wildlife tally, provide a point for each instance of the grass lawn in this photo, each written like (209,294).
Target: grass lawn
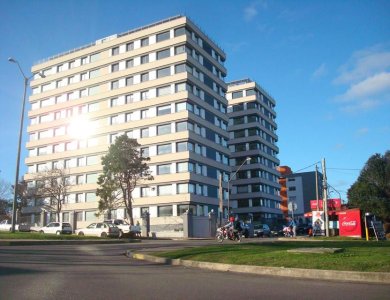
(5,235)
(361,256)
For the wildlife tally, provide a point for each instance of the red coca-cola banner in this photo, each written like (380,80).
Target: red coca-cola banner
(332,204)
(350,223)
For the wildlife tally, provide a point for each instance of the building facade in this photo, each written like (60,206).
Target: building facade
(252,142)
(297,191)
(162,84)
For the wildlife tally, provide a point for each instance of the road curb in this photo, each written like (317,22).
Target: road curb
(313,274)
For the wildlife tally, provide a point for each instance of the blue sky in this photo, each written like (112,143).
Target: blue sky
(326,63)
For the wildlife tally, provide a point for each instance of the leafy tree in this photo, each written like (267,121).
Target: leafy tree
(123,167)
(371,191)
(109,194)
(24,194)
(53,184)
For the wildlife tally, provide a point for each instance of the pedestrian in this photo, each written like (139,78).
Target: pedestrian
(293,226)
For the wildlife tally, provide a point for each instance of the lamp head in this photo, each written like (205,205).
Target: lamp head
(10,59)
(248,159)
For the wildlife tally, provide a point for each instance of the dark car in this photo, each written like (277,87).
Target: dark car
(303,229)
(245,229)
(277,230)
(261,230)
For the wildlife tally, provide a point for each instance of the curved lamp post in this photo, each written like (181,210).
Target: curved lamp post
(231,178)
(26,80)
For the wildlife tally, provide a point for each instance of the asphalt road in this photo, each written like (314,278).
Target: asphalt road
(104,272)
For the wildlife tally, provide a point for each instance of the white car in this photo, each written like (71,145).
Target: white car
(57,228)
(99,230)
(6,225)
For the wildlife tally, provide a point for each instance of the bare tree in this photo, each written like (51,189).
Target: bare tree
(53,184)
(5,197)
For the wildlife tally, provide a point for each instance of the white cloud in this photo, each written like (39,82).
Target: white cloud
(364,63)
(362,131)
(320,71)
(251,11)
(366,76)
(369,87)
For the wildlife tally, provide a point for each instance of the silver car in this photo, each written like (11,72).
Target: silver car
(100,229)
(57,228)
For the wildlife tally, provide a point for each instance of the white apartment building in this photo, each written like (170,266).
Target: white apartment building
(162,84)
(252,128)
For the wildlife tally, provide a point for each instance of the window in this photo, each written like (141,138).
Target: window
(163,129)
(130,46)
(180,68)
(237,95)
(145,192)
(90,197)
(92,178)
(129,116)
(180,87)
(144,95)
(60,68)
(162,91)
(71,65)
(145,42)
(165,211)
(180,49)
(292,188)
(144,59)
(181,126)
(144,132)
(144,77)
(84,76)
(163,110)
(164,149)
(129,81)
(113,102)
(163,54)
(145,152)
(129,63)
(92,160)
(93,90)
(180,31)
(164,190)
(129,98)
(115,68)
(163,72)
(182,188)
(162,36)
(94,57)
(184,146)
(80,179)
(250,92)
(182,167)
(163,169)
(144,113)
(79,197)
(115,51)
(84,60)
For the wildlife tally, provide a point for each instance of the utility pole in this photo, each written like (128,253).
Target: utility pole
(317,198)
(325,196)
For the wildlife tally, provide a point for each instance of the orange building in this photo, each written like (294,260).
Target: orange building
(284,171)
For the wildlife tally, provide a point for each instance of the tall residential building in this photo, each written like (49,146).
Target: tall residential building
(162,84)
(252,129)
(297,189)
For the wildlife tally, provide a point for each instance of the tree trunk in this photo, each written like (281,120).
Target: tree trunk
(130,206)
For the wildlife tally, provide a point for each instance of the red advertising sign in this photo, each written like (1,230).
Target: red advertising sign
(350,223)
(332,204)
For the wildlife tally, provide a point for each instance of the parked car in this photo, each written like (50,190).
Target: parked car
(303,229)
(6,225)
(277,230)
(261,230)
(123,226)
(100,230)
(57,228)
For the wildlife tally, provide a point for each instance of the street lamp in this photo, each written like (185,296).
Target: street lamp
(26,80)
(231,178)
